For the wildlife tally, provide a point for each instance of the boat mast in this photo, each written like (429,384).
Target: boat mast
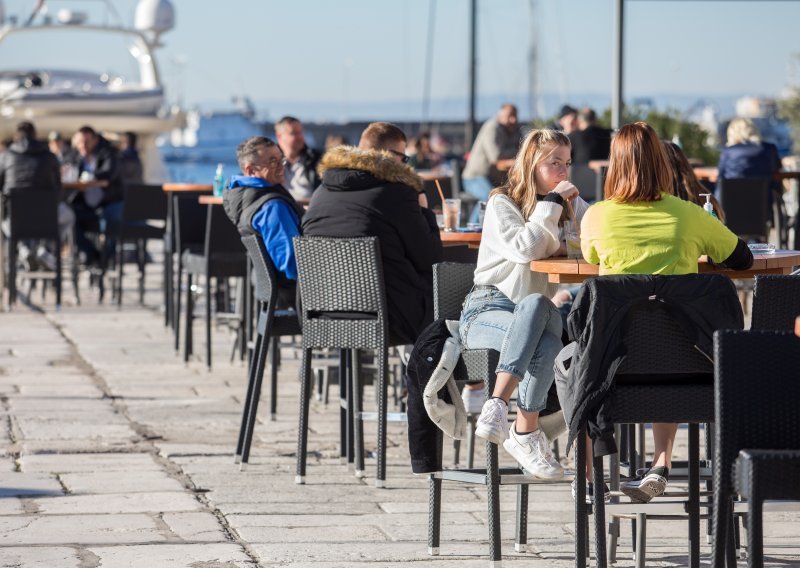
(426,88)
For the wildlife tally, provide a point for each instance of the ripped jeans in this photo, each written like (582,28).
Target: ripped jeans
(528,336)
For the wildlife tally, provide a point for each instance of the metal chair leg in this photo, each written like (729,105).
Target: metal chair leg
(521,539)
(581,510)
(208,320)
(357,409)
(599,510)
(383,369)
(274,352)
(302,431)
(434,514)
(187,332)
(251,401)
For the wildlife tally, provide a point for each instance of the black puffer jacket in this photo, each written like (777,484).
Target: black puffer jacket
(700,303)
(28,164)
(108,168)
(368,193)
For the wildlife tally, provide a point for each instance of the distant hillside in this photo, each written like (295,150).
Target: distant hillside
(456,108)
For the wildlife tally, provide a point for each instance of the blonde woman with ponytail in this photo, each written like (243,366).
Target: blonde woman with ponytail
(509,307)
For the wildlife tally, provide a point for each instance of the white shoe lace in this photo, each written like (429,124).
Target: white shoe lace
(492,412)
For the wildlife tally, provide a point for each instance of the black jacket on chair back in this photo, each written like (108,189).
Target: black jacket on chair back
(29,164)
(699,303)
(366,193)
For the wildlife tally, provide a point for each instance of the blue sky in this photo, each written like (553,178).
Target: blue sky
(349,52)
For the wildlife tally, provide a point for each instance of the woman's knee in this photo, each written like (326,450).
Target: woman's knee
(537,307)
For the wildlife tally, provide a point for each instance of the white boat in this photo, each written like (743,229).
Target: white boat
(64,99)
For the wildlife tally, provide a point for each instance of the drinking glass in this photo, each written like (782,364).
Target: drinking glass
(452,214)
(573,240)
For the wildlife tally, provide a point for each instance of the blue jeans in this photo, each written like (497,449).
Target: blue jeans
(528,336)
(478,188)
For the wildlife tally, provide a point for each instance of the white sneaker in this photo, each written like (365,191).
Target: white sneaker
(532,451)
(493,421)
(473,399)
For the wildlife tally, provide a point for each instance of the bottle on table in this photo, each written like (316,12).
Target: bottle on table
(219,181)
(708,206)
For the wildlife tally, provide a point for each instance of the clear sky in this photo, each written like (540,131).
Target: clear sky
(353,51)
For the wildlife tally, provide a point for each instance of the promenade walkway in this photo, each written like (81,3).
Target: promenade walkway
(115,453)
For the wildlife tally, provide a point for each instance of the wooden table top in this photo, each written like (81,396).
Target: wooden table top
(176,187)
(432,175)
(472,239)
(710,173)
(563,270)
(84,185)
(797,326)
(210,199)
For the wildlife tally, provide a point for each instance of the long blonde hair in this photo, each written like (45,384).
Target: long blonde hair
(521,185)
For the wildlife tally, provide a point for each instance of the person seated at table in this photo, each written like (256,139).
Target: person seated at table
(130,162)
(99,160)
(28,165)
(422,155)
(258,204)
(497,141)
(746,156)
(372,191)
(640,228)
(590,141)
(684,183)
(509,307)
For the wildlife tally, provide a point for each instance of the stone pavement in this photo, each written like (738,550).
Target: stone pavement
(116,453)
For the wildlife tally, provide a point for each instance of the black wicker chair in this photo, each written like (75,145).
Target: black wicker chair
(757,449)
(776,301)
(143,205)
(343,305)
(33,215)
(661,365)
(188,234)
(451,284)
(272,324)
(223,257)
(746,205)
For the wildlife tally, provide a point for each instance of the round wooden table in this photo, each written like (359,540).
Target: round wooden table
(178,187)
(797,326)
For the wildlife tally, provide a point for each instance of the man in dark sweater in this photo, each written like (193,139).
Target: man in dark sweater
(258,204)
(371,191)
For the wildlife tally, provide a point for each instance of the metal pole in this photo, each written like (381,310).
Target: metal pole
(616,93)
(469,133)
(426,95)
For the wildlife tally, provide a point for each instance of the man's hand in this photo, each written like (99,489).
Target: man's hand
(423,200)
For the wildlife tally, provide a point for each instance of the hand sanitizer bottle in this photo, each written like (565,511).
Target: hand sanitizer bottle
(708,206)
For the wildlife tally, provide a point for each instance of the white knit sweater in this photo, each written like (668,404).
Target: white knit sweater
(509,243)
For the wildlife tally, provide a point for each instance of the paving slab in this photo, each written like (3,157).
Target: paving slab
(112,503)
(193,555)
(39,557)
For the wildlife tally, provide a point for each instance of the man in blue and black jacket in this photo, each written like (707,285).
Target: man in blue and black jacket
(258,204)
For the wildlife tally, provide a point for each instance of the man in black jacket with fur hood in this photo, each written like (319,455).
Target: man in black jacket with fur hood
(371,191)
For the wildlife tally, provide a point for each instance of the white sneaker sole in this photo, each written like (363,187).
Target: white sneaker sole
(490,435)
(645,491)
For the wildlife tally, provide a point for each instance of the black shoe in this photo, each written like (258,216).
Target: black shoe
(652,484)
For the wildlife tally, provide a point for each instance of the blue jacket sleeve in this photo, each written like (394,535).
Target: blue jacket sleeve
(278,224)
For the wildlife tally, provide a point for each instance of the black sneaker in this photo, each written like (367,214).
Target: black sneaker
(650,484)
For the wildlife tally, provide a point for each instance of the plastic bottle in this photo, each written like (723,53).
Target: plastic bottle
(708,206)
(219,181)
